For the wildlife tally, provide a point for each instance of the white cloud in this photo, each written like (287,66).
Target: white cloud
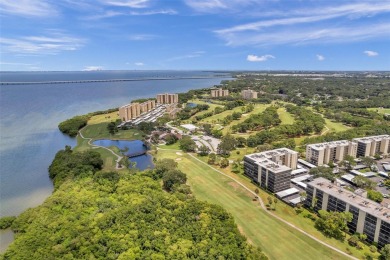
(142,37)
(308,25)
(127,3)
(92,68)
(139,64)
(205,5)
(53,43)
(371,53)
(303,35)
(320,57)
(187,56)
(154,12)
(255,58)
(28,8)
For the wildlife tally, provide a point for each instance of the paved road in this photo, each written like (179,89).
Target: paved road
(277,217)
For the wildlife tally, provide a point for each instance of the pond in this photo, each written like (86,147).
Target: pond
(191,105)
(134,147)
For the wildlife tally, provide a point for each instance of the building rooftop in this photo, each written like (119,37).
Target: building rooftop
(321,146)
(262,161)
(351,198)
(369,139)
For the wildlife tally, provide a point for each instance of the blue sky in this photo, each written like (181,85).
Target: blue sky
(195,34)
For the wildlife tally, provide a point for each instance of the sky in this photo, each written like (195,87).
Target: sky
(74,35)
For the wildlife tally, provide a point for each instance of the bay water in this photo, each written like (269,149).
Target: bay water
(30,114)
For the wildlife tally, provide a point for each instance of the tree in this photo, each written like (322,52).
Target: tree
(333,224)
(275,201)
(385,252)
(375,196)
(173,178)
(187,144)
(348,162)
(322,171)
(240,141)
(212,158)
(124,162)
(368,161)
(163,166)
(228,143)
(207,128)
(111,127)
(204,150)
(224,163)
(363,182)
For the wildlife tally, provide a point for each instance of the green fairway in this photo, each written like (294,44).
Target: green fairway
(218,117)
(380,110)
(335,126)
(100,131)
(276,239)
(285,117)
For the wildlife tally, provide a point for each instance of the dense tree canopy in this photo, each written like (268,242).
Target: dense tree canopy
(111,215)
(73,125)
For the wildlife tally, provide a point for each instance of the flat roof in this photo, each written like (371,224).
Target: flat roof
(189,127)
(321,146)
(264,159)
(295,201)
(298,171)
(306,163)
(348,177)
(386,167)
(351,198)
(301,178)
(369,139)
(384,174)
(288,192)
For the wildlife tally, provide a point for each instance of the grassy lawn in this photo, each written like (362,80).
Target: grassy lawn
(100,131)
(285,117)
(174,146)
(380,110)
(111,117)
(216,118)
(335,126)
(276,239)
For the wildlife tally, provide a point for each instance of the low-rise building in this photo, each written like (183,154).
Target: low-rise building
(271,169)
(219,92)
(248,94)
(372,145)
(369,217)
(324,153)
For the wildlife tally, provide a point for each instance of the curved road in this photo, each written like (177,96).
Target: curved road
(98,146)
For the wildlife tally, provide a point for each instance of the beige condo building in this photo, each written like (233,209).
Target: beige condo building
(248,94)
(219,92)
(134,110)
(167,98)
(324,153)
(372,145)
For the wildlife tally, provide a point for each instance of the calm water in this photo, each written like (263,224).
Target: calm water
(131,147)
(29,115)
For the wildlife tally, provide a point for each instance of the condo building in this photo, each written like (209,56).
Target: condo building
(167,98)
(219,92)
(248,94)
(324,153)
(372,145)
(369,217)
(134,110)
(271,169)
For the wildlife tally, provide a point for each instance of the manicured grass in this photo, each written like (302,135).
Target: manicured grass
(110,117)
(174,146)
(276,239)
(380,110)
(218,117)
(100,131)
(285,117)
(335,126)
